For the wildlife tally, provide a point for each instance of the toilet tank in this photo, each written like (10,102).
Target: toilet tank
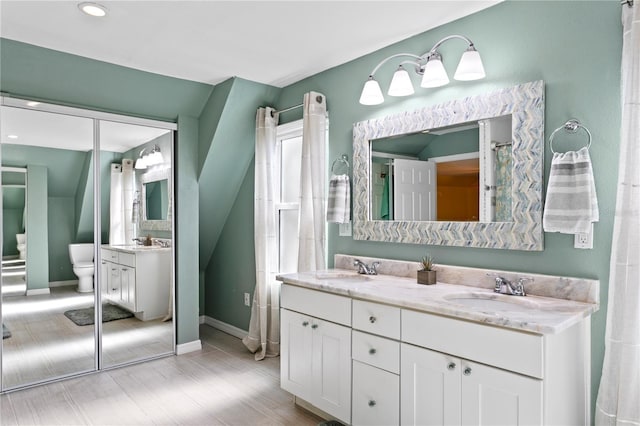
(81,252)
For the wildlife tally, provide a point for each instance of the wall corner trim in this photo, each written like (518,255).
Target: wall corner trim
(185,348)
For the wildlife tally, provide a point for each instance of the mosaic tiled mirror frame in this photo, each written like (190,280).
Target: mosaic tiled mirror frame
(525,103)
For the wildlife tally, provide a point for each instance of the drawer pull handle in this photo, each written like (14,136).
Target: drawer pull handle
(467,371)
(372,319)
(314,326)
(372,403)
(451,366)
(372,351)
(305,323)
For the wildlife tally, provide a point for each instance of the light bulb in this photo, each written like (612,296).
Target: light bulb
(400,83)
(93,9)
(371,93)
(434,73)
(470,66)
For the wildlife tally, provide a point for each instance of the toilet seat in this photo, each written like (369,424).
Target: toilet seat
(83,265)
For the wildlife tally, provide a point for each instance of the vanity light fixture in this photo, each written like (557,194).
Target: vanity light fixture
(93,9)
(151,158)
(429,66)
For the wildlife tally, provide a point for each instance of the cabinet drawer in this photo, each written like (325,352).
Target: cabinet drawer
(376,351)
(375,396)
(109,255)
(319,304)
(500,347)
(127,259)
(376,318)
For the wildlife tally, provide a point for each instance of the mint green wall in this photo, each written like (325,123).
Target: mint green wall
(37,224)
(13,203)
(231,272)
(519,42)
(228,152)
(33,72)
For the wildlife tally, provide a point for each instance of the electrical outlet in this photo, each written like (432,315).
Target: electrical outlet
(584,240)
(247,300)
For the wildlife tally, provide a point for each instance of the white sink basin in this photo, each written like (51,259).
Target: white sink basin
(492,302)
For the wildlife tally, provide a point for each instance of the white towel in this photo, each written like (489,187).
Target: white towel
(571,204)
(339,199)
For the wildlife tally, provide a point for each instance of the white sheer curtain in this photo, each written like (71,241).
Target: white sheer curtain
(313,178)
(264,326)
(116,207)
(619,395)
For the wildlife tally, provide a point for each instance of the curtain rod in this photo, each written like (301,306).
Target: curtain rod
(627,2)
(318,100)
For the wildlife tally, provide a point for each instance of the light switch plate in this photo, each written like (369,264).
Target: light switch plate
(344,229)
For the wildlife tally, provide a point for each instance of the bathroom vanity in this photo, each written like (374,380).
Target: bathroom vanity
(385,350)
(138,278)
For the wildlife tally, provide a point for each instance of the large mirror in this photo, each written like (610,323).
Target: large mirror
(75,300)
(463,173)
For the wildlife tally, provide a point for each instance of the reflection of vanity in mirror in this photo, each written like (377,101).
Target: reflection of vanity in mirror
(464,173)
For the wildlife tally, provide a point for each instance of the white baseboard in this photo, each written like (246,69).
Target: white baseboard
(62,283)
(185,348)
(37,291)
(223,326)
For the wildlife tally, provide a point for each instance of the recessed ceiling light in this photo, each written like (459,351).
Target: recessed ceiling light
(93,9)
(12,136)
(33,103)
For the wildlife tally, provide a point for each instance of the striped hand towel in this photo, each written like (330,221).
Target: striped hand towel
(339,199)
(571,204)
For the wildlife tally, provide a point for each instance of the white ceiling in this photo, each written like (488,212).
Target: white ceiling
(270,42)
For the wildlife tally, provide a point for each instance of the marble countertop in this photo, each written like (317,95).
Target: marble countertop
(543,315)
(132,248)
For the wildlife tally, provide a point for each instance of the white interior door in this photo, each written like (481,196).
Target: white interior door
(414,190)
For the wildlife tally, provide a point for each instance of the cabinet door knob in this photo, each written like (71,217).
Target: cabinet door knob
(372,319)
(305,323)
(372,351)
(451,366)
(372,403)
(467,371)
(314,326)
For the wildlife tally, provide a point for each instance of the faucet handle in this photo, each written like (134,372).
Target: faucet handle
(519,286)
(500,281)
(374,268)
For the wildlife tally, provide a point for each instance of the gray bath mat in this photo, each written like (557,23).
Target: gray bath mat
(109,313)
(5,332)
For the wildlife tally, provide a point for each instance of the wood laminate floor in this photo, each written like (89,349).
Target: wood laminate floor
(218,385)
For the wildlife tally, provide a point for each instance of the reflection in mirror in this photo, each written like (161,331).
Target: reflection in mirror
(156,199)
(137,293)
(435,174)
(483,172)
(47,192)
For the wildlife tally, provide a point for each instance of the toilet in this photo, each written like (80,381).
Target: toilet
(82,260)
(22,245)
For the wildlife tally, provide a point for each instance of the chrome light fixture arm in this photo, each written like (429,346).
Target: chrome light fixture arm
(398,55)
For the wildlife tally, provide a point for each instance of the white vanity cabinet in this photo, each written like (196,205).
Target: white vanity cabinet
(460,372)
(139,281)
(315,355)
(376,364)
(441,389)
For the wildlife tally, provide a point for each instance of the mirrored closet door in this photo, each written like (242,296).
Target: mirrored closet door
(75,253)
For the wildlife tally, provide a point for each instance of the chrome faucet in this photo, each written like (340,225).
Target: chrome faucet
(365,269)
(504,286)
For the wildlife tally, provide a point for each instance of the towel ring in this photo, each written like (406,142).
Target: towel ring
(343,159)
(570,126)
